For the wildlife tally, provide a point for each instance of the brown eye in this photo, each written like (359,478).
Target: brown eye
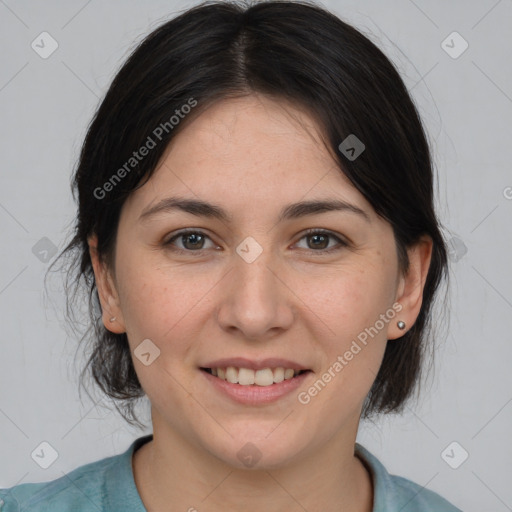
(191,241)
(194,239)
(318,241)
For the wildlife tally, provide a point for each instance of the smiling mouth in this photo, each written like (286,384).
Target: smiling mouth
(249,377)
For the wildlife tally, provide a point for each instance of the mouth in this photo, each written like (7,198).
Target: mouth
(258,386)
(265,377)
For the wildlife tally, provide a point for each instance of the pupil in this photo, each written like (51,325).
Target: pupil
(195,238)
(316,237)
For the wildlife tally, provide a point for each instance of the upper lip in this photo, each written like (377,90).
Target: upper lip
(241,362)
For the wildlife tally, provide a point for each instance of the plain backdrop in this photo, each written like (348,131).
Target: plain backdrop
(465,99)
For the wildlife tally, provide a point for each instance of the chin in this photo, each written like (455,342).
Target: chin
(255,449)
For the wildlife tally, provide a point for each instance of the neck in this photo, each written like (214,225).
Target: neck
(172,474)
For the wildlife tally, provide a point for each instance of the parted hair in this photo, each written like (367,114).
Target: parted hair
(296,52)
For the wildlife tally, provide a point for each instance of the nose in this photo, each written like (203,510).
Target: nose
(256,302)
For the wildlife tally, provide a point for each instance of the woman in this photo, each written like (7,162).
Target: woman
(256,223)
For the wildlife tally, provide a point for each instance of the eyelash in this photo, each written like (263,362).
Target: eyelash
(169,243)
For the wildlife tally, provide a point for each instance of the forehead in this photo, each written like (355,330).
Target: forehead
(249,153)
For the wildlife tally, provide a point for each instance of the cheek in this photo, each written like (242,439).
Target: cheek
(354,337)
(349,302)
(162,303)
(162,306)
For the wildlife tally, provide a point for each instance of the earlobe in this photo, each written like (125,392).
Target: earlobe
(412,284)
(109,300)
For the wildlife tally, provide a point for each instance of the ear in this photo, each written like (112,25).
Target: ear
(107,292)
(411,285)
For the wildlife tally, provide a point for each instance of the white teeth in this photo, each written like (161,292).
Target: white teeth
(245,376)
(264,377)
(278,375)
(248,377)
(232,375)
(288,373)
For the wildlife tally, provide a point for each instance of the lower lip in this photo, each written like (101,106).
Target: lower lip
(254,394)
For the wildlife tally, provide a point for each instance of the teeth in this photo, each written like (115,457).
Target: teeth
(264,377)
(232,375)
(278,375)
(247,377)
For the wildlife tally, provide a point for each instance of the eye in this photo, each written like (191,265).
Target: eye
(193,241)
(320,241)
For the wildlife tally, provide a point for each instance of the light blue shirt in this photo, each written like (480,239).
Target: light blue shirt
(107,485)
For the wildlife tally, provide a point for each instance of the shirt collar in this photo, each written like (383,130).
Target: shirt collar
(121,491)
(381,479)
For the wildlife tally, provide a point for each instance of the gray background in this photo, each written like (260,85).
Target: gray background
(466,104)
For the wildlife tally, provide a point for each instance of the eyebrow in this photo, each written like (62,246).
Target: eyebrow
(209,210)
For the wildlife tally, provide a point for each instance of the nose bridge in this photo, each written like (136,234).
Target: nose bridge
(256,300)
(255,285)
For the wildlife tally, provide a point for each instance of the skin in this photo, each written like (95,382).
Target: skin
(253,156)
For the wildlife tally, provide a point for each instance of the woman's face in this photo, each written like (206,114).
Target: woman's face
(254,286)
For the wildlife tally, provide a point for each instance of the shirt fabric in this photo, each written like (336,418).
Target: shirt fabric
(108,485)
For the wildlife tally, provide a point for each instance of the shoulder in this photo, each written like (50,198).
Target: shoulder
(103,485)
(416,498)
(393,492)
(69,492)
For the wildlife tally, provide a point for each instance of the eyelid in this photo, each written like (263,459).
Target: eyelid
(342,242)
(183,232)
(338,236)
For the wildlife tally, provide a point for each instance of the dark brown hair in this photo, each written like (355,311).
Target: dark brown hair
(293,51)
